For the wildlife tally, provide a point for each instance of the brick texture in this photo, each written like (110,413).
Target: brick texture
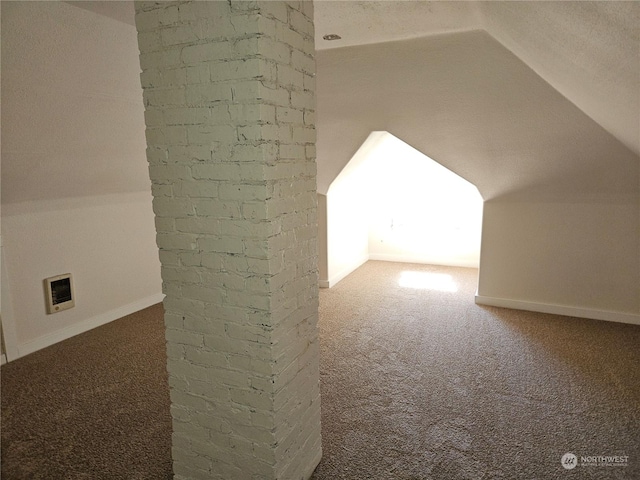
(229,109)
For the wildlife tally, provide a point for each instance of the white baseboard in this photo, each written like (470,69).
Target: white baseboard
(401,258)
(608,316)
(331,282)
(89,324)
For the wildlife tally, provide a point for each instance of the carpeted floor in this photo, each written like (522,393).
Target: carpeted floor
(95,406)
(424,384)
(416,383)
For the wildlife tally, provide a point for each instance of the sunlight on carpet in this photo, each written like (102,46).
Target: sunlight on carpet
(427,281)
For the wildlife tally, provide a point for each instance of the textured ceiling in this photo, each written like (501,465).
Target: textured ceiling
(588,51)
(360,23)
(534,123)
(470,104)
(118,10)
(547,98)
(72,112)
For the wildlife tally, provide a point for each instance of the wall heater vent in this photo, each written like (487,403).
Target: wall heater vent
(59,292)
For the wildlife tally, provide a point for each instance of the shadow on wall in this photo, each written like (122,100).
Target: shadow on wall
(393,203)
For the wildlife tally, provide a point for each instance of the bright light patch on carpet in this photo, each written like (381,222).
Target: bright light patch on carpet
(427,281)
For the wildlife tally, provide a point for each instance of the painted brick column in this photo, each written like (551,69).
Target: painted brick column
(229,96)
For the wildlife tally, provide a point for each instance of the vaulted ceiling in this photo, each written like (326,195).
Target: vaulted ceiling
(521,98)
(470,104)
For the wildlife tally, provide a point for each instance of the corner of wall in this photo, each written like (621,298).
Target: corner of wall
(564,310)
(102,319)
(346,270)
(6,312)
(323,268)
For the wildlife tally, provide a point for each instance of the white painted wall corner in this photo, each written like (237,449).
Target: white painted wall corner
(334,279)
(89,324)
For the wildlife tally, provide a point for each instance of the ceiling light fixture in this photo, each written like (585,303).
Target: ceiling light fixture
(332,36)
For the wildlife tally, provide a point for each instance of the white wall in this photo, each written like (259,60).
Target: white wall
(72,112)
(75,186)
(421,212)
(347,230)
(393,203)
(106,242)
(323,267)
(348,214)
(562,193)
(580,259)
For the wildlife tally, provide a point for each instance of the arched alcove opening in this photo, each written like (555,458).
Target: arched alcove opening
(391,202)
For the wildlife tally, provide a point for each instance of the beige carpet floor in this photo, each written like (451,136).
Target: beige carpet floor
(421,383)
(416,383)
(95,406)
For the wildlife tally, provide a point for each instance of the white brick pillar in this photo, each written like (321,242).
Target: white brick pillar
(229,108)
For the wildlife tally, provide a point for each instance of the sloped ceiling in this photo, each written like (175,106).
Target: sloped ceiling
(522,98)
(365,22)
(588,51)
(547,102)
(470,104)
(72,112)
